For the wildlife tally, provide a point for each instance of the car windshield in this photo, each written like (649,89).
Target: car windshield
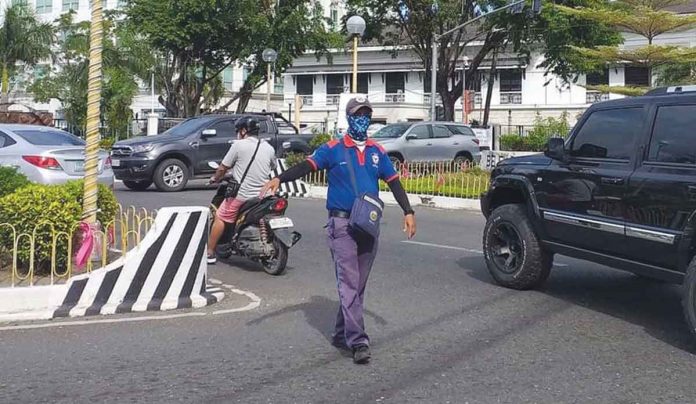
(391,131)
(187,127)
(40,137)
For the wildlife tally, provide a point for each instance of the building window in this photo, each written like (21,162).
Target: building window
(363,86)
(71,5)
(334,87)
(395,82)
(20,2)
(228,78)
(597,79)
(279,85)
(334,15)
(44,6)
(246,71)
(305,85)
(637,76)
(510,87)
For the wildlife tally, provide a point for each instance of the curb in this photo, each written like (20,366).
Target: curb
(439,202)
(166,271)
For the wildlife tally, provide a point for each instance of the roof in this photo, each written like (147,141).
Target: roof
(18,126)
(684,8)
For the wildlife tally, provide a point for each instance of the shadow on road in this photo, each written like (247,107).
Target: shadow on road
(652,305)
(320,313)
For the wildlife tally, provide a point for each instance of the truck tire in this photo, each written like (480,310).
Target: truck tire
(689,296)
(171,175)
(514,256)
(137,185)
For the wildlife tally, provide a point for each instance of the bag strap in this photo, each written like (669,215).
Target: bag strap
(258,144)
(353,181)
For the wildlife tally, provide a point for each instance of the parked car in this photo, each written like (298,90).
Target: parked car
(621,191)
(48,155)
(429,141)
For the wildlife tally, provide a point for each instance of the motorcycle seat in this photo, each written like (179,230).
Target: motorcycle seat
(249,204)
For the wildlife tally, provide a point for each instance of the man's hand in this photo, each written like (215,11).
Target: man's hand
(271,186)
(213,180)
(410,225)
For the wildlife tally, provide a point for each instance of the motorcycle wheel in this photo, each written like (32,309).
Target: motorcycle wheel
(276,264)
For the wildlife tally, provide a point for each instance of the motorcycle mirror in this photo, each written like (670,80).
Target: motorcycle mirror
(213,164)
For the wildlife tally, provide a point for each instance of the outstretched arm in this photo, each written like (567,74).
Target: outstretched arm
(294,173)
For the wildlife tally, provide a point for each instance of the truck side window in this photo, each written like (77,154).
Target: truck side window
(609,134)
(673,138)
(224,128)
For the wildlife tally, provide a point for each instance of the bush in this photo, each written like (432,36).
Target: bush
(45,205)
(11,180)
(293,159)
(536,139)
(319,140)
(107,143)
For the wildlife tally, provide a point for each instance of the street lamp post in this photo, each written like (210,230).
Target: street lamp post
(465,113)
(269,56)
(356,28)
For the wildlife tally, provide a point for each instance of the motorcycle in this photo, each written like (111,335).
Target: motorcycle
(261,233)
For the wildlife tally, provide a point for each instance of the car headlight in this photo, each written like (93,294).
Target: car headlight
(143,148)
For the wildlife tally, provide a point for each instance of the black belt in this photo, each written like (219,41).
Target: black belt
(339,213)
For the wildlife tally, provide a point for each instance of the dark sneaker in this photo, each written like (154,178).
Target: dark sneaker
(361,354)
(212,259)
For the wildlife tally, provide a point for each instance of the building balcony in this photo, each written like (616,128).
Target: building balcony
(595,96)
(333,99)
(307,100)
(509,98)
(395,98)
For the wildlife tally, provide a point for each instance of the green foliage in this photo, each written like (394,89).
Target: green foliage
(319,140)
(550,33)
(107,143)
(293,159)
(50,210)
(11,180)
(536,139)
(68,82)
(676,74)
(628,91)
(23,38)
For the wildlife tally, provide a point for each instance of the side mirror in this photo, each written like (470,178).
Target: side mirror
(411,137)
(555,149)
(208,133)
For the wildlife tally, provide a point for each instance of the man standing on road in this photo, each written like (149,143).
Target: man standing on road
(249,152)
(353,251)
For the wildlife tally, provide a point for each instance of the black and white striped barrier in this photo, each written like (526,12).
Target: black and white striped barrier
(297,189)
(166,271)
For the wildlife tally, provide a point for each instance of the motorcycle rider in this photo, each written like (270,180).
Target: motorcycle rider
(238,158)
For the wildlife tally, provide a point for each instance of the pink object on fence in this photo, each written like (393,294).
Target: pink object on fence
(87,244)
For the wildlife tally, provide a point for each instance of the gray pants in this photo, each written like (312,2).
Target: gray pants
(353,257)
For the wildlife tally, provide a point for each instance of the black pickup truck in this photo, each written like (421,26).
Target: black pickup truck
(172,158)
(288,138)
(620,191)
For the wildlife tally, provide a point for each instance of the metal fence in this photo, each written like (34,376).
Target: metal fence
(111,242)
(431,179)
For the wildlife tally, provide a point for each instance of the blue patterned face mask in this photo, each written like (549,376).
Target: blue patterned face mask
(357,127)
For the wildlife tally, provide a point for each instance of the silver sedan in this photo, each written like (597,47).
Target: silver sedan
(48,155)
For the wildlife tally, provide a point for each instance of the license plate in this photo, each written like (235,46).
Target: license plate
(115,163)
(79,166)
(280,223)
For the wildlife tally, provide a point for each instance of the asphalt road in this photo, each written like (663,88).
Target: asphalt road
(441,332)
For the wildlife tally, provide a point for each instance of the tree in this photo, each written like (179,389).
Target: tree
(197,40)
(67,82)
(292,27)
(549,34)
(22,39)
(646,18)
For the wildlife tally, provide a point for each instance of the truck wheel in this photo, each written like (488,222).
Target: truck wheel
(513,254)
(689,296)
(396,161)
(171,175)
(137,185)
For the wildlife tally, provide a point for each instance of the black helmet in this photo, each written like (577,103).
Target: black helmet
(249,123)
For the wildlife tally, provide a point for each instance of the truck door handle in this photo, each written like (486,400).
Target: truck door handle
(612,180)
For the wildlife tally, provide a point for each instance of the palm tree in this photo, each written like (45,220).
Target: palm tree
(23,38)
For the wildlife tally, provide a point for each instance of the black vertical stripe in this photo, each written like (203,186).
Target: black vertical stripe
(104,292)
(185,296)
(175,261)
(294,187)
(144,269)
(71,298)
